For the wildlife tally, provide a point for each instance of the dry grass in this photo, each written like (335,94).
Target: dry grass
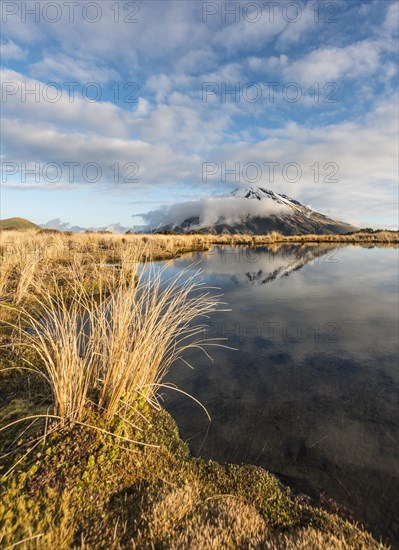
(30,256)
(388,237)
(186,520)
(27,256)
(109,349)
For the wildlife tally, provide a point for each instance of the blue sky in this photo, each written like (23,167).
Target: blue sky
(128,114)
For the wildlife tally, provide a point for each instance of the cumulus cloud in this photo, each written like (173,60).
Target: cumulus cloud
(52,106)
(390,24)
(175,141)
(60,225)
(330,64)
(10,50)
(65,67)
(139,164)
(327,63)
(212,210)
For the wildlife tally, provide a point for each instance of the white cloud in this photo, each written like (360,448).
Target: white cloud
(143,108)
(294,32)
(267,64)
(196,61)
(327,64)
(188,44)
(29,143)
(330,64)
(60,225)
(70,112)
(161,85)
(391,22)
(212,210)
(170,142)
(10,50)
(66,68)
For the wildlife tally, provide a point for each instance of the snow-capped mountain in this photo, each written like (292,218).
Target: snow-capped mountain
(258,211)
(260,193)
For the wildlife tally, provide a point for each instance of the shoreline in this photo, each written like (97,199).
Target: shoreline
(110,495)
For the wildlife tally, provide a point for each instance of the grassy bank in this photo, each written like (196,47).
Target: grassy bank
(82,488)
(89,459)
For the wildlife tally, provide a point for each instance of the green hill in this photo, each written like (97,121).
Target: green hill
(17,223)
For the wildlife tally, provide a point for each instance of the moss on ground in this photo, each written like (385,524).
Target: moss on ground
(82,488)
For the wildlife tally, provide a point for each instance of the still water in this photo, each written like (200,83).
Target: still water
(310,393)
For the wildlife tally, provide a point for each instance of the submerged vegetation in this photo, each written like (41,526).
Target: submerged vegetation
(89,459)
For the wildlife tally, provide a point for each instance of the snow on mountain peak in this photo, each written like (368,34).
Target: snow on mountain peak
(261,193)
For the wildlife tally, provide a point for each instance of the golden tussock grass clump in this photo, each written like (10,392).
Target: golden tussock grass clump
(109,349)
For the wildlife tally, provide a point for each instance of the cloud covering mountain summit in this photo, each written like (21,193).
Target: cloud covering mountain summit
(253,210)
(231,209)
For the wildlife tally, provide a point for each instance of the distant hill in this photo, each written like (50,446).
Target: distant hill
(17,223)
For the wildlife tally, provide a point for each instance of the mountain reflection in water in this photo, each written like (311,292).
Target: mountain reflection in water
(311,393)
